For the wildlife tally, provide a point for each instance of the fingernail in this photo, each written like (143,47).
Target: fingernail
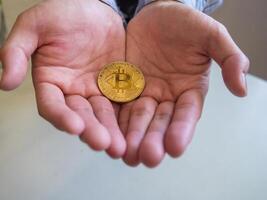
(82,140)
(244,82)
(1,70)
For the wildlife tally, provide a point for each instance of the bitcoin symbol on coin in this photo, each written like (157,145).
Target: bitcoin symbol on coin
(121,82)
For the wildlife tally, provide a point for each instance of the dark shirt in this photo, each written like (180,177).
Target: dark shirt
(128,8)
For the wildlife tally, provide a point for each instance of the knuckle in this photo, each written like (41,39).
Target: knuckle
(162,116)
(105,110)
(141,111)
(165,111)
(145,107)
(26,17)
(221,27)
(101,105)
(22,16)
(218,30)
(246,63)
(186,105)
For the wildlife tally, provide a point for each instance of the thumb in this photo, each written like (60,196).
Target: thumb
(17,50)
(233,62)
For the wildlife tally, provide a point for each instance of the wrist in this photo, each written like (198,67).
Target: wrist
(114,6)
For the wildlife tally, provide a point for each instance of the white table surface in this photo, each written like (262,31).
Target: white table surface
(227,159)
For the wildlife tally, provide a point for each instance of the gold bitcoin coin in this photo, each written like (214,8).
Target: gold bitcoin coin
(121,82)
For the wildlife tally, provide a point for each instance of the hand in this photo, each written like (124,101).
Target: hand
(173,44)
(69,42)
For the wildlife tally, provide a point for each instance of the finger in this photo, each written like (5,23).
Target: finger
(94,134)
(124,116)
(17,50)
(141,115)
(232,60)
(152,147)
(186,114)
(52,107)
(106,115)
(116,108)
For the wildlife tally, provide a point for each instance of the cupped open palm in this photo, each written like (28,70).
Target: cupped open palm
(69,41)
(173,44)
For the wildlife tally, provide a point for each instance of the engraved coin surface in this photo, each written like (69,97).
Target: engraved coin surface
(121,82)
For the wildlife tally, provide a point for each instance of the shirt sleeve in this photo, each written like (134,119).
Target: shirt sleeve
(2,25)
(206,6)
(111,3)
